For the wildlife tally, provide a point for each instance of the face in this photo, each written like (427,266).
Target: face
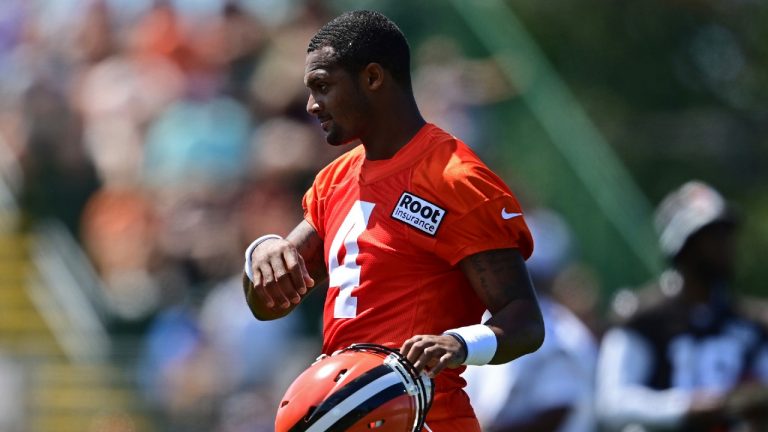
(712,250)
(336,98)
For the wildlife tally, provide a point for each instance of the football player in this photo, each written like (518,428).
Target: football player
(416,236)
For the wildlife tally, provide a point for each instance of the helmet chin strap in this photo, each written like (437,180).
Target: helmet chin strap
(420,387)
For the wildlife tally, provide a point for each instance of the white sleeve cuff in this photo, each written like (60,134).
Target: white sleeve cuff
(480,342)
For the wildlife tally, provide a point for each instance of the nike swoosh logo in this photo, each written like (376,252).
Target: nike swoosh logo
(505,215)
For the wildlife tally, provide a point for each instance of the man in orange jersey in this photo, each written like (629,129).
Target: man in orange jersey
(415,234)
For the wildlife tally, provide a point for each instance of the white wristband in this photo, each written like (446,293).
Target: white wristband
(249,251)
(480,341)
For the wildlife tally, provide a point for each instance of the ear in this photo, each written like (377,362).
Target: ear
(373,76)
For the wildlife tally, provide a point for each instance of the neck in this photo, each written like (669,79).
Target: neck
(397,125)
(697,288)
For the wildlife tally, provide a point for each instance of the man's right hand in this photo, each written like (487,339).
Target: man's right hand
(280,276)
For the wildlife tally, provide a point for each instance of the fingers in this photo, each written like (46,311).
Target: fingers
(432,353)
(410,350)
(298,271)
(433,359)
(427,360)
(280,276)
(405,350)
(283,285)
(269,285)
(441,364)
(305,273)
(258,290)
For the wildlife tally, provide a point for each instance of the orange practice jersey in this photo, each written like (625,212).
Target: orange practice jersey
(394,231)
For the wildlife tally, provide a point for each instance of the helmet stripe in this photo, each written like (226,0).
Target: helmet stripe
(368,406)
(350,398)
(333,400)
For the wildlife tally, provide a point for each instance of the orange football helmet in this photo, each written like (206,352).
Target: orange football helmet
(364,387)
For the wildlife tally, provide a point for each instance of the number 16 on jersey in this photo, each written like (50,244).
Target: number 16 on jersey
(346,274)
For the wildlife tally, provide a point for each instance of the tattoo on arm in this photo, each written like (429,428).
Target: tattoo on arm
(499,277)
(501,280)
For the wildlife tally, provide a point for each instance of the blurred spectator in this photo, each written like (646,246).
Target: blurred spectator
(95,39)
(245,38)
(269,203)
(118,228)
(240,341)
(450,87)
(197,365)
(285,147)
(58,175)
(115,117)
(273,85)
(687,359)
(577,288)
(552,388)
(171,373)
(198,139)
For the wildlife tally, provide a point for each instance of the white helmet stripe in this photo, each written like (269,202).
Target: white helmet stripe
(355,399)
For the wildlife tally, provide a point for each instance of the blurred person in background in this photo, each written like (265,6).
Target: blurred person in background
(58,175)
(410,223)
(198,367)
(551,389)
(687,359)
(118,232)
(451,87)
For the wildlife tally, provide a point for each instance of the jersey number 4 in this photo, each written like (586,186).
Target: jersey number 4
(346,274)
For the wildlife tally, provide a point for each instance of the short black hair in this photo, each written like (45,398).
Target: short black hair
(362,37)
